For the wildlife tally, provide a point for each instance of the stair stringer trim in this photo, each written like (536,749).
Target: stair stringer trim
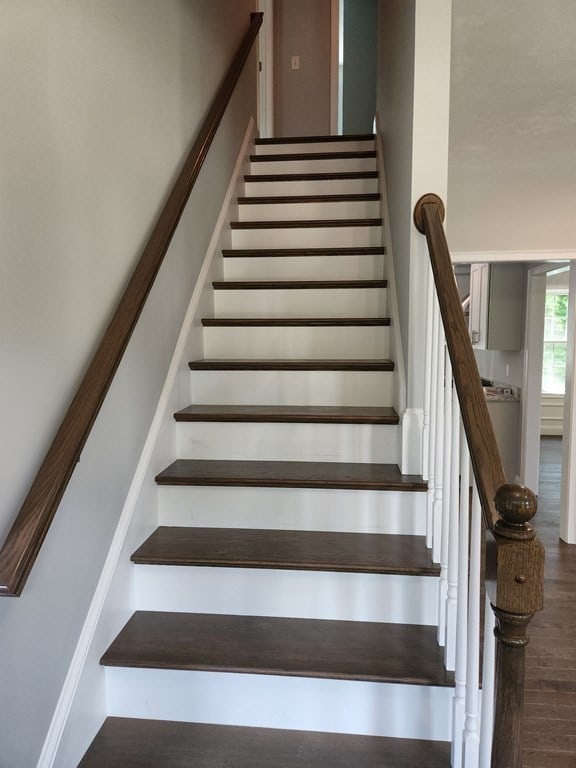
(411,419)
(106,613)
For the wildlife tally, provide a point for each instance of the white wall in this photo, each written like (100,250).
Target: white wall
(99,102)
(413,103)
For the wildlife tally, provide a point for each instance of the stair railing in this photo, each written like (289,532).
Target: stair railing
(483,538)
(25,538)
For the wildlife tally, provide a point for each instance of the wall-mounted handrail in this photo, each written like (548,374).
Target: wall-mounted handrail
(23,543)
(514,556)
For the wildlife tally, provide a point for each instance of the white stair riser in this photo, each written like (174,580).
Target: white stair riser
(389,598)
(354,267)
(310,187)
(289,442)
(297,342)
(308,237)
(339,706)
(307,509)
(339,165)
(351,145)
(353,209)
(292,387)
(295,302)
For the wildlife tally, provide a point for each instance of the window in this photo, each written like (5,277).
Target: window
(555,329)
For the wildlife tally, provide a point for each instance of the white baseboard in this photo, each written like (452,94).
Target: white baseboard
(412,424)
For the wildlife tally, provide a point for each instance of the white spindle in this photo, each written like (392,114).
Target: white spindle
(445,527)
(459,708)
(427,378)
(487,712)
(471,741)
(438,449)
(454,537)
(433,426)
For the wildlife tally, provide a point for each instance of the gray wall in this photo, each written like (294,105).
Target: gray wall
(302,97)
(359,77)
(99,103)
(395,95)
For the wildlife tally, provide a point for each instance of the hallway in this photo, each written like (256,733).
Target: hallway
(550,704)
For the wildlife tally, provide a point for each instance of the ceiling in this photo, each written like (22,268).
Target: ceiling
(512,155)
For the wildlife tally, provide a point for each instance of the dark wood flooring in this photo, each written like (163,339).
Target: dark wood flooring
(301,550)
(550,703)
(124,743)
(343,650)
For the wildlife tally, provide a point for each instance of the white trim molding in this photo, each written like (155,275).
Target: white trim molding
(472,257)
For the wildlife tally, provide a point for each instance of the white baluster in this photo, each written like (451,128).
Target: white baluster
(428,378)
(445,528)
(454,537)
(488,671)
(433,426)
(471,741)
(459,709)
(438,450)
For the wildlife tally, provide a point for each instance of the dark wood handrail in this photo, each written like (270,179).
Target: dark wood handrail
(23,543)
(514,556)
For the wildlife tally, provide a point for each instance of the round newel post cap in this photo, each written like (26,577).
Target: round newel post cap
(516,505)
(418,214)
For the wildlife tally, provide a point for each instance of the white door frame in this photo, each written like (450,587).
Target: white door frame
(266,70)
(568,492)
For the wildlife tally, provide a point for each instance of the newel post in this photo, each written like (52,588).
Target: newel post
(516,595)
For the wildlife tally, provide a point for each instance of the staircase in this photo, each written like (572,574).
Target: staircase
(286,605)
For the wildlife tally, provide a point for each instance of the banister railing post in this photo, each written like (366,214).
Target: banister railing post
(514,556)
(516,595)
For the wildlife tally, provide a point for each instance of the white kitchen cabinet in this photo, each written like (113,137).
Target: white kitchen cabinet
(497,306)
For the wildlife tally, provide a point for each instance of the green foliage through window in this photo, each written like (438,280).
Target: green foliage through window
(555,329)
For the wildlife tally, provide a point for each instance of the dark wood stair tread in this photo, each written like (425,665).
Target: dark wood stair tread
(139,743)
(241,253)
(342,137)
(344,650)
(328,176)
(289,157)
(302,414)
(288,199)
(290,550)
(273,285)
(305,223)
(284,322)
(291,365)
(290,474)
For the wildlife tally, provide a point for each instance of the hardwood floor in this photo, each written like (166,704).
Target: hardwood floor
(550,703)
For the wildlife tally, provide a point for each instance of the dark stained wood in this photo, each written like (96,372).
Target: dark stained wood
(290,550)
(288,199)
(302,414)
(344,650)
(314,285)
(550,692)
(311,322)
(291,365)
(295,156)
(514,557)
(126,743)
(330,176)
(305,223)
(317,139)
(290,474)
(33,521)
(241,253)
(484,452)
